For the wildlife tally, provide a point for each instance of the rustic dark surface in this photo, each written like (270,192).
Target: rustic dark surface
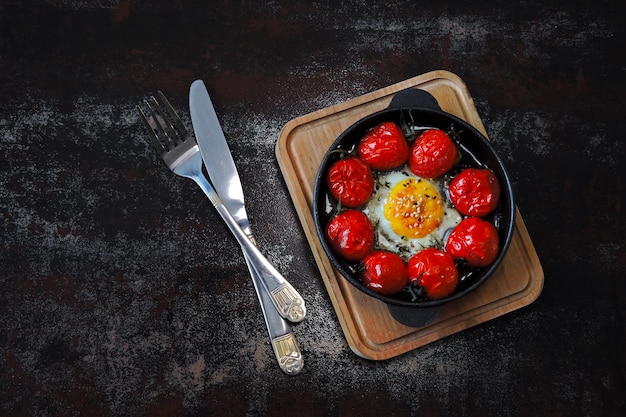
(123,294)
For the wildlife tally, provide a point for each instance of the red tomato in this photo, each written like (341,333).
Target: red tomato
(350,181)
(475,240)
(435,271)
(350,235)
(384,147)
(385,272)
(475,191)
(432,154)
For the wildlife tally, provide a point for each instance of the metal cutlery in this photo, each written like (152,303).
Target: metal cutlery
(179,150)
(223,173)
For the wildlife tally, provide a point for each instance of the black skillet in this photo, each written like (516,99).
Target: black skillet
(421,109)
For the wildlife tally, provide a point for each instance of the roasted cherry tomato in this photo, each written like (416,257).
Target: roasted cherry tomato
(475,191)
(385,272)
(384,147)
(474,240)
(350,235)
(350,181)
(435,271)
(432,154)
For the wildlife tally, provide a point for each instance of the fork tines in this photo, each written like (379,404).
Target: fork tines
(166,129)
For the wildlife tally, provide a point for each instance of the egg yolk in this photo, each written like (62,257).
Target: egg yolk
(413,208)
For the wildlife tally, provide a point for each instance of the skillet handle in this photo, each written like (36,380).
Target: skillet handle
(414,316)
(418,316)
(413,97)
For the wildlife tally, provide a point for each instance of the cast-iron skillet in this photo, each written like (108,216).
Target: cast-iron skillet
(476,150)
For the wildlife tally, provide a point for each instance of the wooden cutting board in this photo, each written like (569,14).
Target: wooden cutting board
(368,326)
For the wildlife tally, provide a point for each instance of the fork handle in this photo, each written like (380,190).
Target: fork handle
(284,342)
(291,304)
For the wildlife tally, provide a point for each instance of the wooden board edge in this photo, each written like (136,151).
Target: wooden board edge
(353,336)
(349,328)
(483,314)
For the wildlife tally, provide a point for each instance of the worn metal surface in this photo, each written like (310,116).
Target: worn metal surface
(123,294)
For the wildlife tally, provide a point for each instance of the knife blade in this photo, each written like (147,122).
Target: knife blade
(223,173)
(226,181)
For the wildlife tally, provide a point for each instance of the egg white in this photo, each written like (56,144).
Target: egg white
(386,237)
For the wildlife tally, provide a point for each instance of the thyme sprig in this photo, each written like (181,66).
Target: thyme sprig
(415,290)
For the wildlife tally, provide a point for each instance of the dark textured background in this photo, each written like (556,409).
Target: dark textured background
(121,291)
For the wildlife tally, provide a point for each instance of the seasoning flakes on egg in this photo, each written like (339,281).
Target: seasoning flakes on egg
(409,213)
(396,216)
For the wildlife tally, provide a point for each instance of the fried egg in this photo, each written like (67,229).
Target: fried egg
(410,213)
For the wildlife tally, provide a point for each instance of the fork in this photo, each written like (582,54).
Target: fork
(179,150)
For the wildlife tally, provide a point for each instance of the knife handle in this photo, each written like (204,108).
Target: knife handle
(284,343)
(288,302)
(285,298)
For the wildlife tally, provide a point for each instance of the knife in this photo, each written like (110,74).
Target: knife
(219,164)
(223,173)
